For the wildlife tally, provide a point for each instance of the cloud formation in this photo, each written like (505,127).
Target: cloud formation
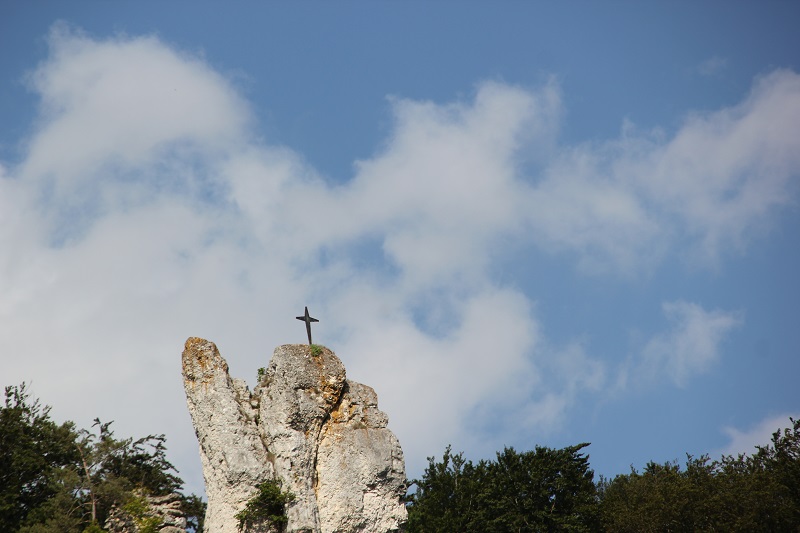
(691,345)
(745,442)
(704,192)
(146,209)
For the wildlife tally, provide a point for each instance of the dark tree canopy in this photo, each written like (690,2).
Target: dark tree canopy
(553,490)
(759,492)
(539,490)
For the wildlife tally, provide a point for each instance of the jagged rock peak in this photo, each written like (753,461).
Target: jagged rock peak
(305,424)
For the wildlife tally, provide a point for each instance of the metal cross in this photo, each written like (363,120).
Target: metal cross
(308,320)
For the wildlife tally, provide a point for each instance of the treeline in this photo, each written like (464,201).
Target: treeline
(55,478)
(548,489)
(61,479)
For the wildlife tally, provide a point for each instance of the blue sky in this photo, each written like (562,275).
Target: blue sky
(521,223)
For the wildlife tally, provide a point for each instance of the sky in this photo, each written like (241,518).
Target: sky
(522,223)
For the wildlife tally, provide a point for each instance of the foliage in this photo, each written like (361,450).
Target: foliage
(543,490)
(93,528)
(552,490)
(540,490)
(34,451)
(194,509)
(260,374)
(137,508)
(56,479)
(268,506)
(745,493)
(660,497)
(316,350)
(132,463)
(446,495)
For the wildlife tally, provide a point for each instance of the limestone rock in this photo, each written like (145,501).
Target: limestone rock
(165,509)
(306,424)
(233,457)
(361,481)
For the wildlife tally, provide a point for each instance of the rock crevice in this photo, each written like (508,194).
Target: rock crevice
(322,435)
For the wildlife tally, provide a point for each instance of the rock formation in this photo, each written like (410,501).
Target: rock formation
(304,424)
(163,514)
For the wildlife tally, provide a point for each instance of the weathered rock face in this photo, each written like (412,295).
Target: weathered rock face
(305,424)
(233,457)
(162,512)
(355,440)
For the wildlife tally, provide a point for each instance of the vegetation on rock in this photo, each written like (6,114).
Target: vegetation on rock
(267,506)
(316,350)
(137,508)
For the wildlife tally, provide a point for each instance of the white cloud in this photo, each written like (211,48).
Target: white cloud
(691,346)
(115,115)
(706,190)
(725,172)
(596,212)
(745,442)
(146,211)
(564,374)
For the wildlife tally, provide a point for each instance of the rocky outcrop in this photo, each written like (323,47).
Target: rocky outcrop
(367,499)
(162,514)
(233,456)
(305,424)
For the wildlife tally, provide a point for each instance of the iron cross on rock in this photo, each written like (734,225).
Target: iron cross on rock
(308,320)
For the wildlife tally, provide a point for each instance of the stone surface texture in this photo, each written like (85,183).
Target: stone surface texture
(305,424)
(167,509)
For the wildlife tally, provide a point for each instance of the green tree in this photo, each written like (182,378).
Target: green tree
(34,451)
(194,509)
(112,469)
(54,479)
(266,507)
(654,500)
(760,492)
(448,497)
(540,490)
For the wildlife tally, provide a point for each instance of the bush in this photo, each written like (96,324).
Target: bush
(267,506)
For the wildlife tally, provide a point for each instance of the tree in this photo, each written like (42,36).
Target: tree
(540,490)
(112,469)
(448,496)
(266,508)
(194,509)
(762,491)
(54,479)
(745,493)
(654,500)
(33,452)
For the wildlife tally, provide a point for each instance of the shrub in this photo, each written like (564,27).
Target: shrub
(268,505)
